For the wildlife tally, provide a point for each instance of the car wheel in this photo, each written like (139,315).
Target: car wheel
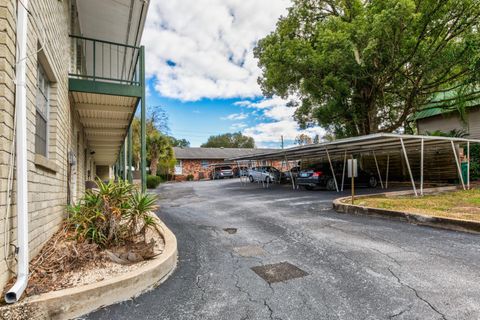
(331,185)
(268,180)
(372,182)
(250,178)
(310,188)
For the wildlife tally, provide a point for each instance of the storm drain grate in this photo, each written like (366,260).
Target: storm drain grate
(250,251)
(230,230)
(279,272)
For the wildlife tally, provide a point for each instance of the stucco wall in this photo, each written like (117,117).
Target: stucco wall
(48,29)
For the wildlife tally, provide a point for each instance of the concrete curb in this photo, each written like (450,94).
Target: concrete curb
(74,302)
(341,206)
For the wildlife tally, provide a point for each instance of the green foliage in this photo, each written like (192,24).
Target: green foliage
(183,143)
(158,148)
(360,67)
(455,133)
(115,214)
(475,161)
(229,140)
(153,181)
(190,177)
(303,139)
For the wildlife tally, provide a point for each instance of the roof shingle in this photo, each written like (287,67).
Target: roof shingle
(215,153)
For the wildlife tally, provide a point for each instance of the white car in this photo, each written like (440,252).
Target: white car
(264,174)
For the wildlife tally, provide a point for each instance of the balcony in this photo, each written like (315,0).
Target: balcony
(106,84)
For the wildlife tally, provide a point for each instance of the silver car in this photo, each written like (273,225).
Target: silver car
(264,174)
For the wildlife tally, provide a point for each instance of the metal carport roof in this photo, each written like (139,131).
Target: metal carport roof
(381,142)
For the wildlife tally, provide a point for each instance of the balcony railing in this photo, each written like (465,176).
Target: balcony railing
(105,61)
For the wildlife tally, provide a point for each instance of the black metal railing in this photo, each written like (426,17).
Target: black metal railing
(105,61)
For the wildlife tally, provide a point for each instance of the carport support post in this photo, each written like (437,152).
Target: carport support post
(331,168)
(408,167)
(421,166)
(289,170)
(458,164)
(344,165)
(468,165)
(378,169)
(388,168)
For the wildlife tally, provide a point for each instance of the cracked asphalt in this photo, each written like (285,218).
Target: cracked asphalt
(358,267)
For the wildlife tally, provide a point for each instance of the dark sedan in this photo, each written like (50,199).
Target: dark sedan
(320,177)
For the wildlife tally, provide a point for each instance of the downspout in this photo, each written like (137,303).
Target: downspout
(14,294)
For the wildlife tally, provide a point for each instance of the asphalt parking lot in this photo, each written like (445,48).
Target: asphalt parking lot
(339,266)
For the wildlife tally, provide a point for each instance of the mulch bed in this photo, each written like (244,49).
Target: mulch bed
(63,263)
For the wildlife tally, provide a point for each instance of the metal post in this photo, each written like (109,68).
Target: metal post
(408,167)
(378,168)
(353,181)
(143,123)
(344,166)
(130,154)
(468,165)
(386,175)
(331,168)
(458,164)
(421,165)
(290,170)
(124,163)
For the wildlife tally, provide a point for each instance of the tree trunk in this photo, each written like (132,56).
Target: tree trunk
(153,166)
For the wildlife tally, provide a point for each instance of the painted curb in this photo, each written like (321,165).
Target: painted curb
(341,206)
(75,302)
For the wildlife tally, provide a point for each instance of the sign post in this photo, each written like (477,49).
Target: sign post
(352,173)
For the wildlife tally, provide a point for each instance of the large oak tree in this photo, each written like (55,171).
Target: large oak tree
(363,66)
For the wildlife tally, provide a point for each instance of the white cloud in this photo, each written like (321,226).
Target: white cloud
(280,123)
(238,126)
(235,116)
(203,48)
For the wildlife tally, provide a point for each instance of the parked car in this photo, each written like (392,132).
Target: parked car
(264,174)
(320,176)
(222,172)
(240,172)
(292,173)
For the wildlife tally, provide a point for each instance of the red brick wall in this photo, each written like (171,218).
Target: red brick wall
(195,168)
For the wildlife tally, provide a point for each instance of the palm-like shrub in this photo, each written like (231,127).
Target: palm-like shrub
(115,214)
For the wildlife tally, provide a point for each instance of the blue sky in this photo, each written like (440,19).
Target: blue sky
(201,70)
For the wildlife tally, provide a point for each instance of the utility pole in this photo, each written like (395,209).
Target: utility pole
(282,141)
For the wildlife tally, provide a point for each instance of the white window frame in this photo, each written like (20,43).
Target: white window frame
(41,73)
(179,168)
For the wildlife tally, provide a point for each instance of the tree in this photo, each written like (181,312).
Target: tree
(229,140)
(303,139)
(158,148)
(183,143)
(360,67)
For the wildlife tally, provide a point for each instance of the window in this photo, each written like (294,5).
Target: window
(41,115)
(204,163)
(179,167)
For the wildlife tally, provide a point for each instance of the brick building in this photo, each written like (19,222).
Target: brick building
(69,117)
(199,162)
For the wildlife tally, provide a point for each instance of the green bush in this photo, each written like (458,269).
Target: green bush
(153,181)
(190,177)
(115,214)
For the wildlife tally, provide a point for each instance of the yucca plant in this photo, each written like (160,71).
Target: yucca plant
(116,214)
(138,219)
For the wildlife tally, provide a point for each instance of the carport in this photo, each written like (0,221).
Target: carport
(409,150)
